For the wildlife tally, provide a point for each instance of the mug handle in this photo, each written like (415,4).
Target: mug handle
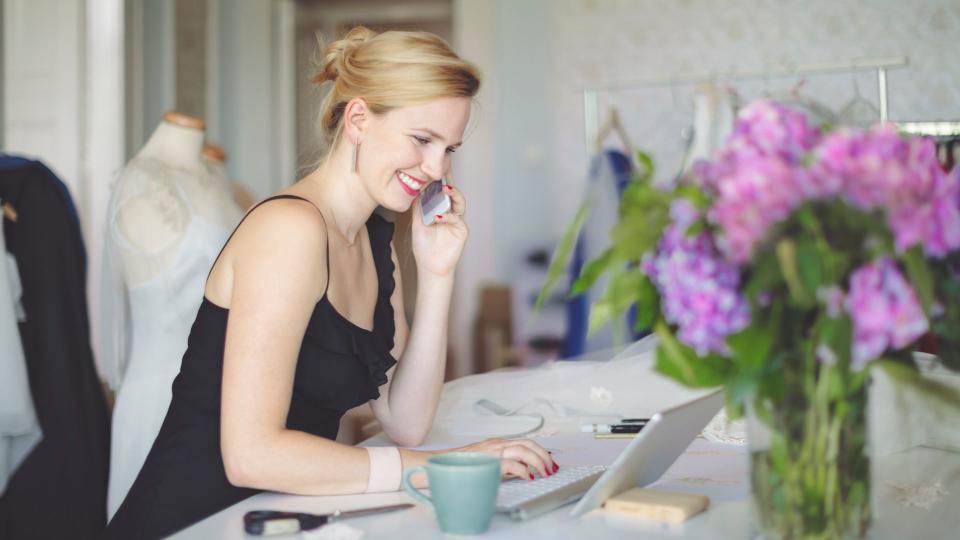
(414,492)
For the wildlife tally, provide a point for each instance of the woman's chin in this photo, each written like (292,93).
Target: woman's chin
(398,206)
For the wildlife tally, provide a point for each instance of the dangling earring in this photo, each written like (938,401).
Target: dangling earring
(356,148)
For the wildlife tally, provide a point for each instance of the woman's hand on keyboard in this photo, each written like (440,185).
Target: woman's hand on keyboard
(517,456)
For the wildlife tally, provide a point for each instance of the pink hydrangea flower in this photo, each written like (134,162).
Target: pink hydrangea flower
(757,176)
(884,309)
(878,169)
(758,194)
(698,288)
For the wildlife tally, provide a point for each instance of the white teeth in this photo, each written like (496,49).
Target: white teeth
(409,182)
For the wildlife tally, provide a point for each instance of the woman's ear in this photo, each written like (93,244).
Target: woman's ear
(355,116)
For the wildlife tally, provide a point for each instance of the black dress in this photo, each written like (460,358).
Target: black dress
(340,366)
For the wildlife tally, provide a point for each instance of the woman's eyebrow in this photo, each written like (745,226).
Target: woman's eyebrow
(436,135)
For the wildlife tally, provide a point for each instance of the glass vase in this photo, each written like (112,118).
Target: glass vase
(809,460)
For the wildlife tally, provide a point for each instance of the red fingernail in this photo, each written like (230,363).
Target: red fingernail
(556,467)
(448,187)
(439,216)
(531,476)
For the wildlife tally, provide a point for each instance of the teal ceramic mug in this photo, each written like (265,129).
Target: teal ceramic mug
(463,490)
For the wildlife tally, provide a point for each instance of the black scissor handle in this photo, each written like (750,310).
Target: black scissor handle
(261,522)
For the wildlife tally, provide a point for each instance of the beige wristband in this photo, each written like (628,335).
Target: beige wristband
(385,469)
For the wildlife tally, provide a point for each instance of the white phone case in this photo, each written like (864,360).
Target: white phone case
(434,201)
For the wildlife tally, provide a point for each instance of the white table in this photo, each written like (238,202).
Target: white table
(917,490)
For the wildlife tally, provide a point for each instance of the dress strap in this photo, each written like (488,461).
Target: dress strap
(268,199)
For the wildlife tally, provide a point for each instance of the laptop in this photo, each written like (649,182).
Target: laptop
(641,463)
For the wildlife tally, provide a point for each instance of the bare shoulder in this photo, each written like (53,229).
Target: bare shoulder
(284,220)
(281,242)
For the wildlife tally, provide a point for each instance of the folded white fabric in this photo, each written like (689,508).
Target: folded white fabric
(556,397)
(334,531)
(19,430)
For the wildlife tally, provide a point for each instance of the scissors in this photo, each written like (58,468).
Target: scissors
(271,522)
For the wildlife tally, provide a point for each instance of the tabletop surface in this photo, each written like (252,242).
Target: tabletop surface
(916,487)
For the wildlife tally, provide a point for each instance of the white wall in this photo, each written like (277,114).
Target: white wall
(254,114)
(474,174)
(43,48)
(523,45)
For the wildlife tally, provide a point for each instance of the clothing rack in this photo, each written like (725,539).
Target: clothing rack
(937,130)
(880,65)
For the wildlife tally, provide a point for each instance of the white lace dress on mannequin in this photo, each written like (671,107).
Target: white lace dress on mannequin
(165,227)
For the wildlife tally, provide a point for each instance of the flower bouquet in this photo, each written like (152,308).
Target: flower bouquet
(783,269)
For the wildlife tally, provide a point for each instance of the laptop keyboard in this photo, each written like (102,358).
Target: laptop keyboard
(522,498)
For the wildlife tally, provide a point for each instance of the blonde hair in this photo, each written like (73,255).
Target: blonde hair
(389,70)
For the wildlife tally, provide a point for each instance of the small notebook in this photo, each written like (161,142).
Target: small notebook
(653,504)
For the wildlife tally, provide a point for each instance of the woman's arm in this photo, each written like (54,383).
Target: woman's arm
(278,274)
(408,402)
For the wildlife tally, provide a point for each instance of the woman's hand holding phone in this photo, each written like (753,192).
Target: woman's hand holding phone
(437,246)
(434,201)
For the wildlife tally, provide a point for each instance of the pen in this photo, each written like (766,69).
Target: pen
(614,435)
(615,428)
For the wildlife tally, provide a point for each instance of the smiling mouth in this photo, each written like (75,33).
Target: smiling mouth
(411,185)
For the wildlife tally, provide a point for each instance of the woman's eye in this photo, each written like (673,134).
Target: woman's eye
(451,150)
(421,140)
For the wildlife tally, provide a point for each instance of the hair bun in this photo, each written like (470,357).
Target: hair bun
(337,52)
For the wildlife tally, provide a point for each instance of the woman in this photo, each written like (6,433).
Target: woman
(302,316)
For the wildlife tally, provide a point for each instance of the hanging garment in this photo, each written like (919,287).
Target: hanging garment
(60,489)
(9,162)
(714,114)
(340,366)
(19,430)
(610,173)
(159,314)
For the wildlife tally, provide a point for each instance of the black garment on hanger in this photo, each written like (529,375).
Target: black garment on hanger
(340,366)
(60,490)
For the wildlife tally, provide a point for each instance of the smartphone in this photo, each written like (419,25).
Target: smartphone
(434,201)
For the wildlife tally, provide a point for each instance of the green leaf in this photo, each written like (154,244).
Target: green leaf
(910,375)
(809,264)
(752,345)
(787,257)
(644,213)
(696,228)
(807,218)
(645,167)
(622,292)
(837,333)
(764,277)
(648,306)
(695,195)
(739,389)
(682,364)
(601,311)
(919,274)
(592,271)
(561,256)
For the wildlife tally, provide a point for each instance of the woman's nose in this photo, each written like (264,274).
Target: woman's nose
(433,165)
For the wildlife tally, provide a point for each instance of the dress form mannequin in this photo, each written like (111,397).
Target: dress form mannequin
(160,189)
(216,159)
(169,216)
